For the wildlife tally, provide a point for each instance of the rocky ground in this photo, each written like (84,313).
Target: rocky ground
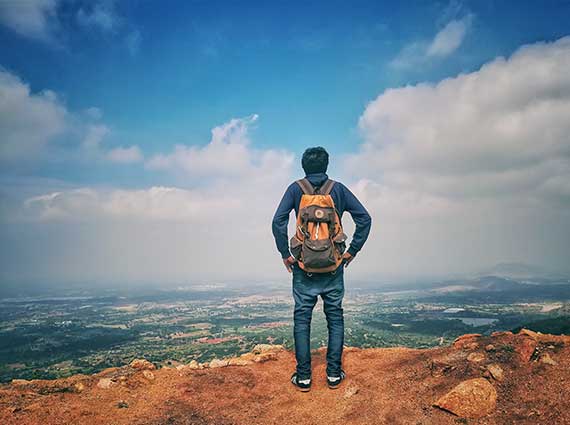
(501,379)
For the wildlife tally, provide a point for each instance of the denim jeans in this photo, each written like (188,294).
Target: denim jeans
(306,289)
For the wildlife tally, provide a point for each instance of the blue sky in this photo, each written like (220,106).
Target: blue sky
(307,68)
(133,79)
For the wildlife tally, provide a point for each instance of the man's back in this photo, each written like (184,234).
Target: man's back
(344,201)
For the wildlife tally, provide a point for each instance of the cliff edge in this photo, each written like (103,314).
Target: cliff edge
(504,378)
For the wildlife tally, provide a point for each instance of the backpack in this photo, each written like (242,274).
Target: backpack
(319,242)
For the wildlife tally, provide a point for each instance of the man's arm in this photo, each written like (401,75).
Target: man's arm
(361,218)
(281,221)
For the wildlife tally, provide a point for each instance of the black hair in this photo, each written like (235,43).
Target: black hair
(315,160)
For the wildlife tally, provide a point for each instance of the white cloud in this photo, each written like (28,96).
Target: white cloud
(449,38)
(94,135)
(443,44)
(214,230)
(28,121)
(468,170)
(36,126)
(127,155)
(101,15)
(30,18)
(227,153)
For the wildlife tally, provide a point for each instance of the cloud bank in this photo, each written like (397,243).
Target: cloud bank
(475,168)
(460,174)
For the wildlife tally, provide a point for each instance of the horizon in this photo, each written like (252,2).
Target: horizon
(144,143)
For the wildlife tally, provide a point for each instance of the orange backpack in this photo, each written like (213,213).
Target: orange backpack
(319,242)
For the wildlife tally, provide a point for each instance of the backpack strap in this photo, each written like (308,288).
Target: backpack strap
(306,187)
(327,187)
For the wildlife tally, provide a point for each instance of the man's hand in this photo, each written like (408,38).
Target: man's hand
(347,257)
(289,262)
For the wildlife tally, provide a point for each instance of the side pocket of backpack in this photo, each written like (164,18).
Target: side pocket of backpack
(340,242)
(295,246)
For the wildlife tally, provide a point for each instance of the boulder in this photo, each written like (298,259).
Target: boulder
(105,383)
(142,364)
(239,361)
(524,346)
(501,333)
(260,358)
(473,398)
(267,348)
(467,341)
(496,372)
(193,365)
(19,382)
(546,359)
(490,347)
(79,387)
(218,363)
(476,357)
(534,335)
(350,391)
(148,375)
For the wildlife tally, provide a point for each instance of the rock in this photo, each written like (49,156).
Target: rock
(18,382)
(193,365)
(501,333)
(239,361)
(528,332)
(122,404)
(218,363)
(79,387)
(546,359)
(496,372)
(467,341)
(350,391)
(148,375)
(350,349)
(105,383)
(265,357)
(524,347)
(142,364)
(490,347)
(473,398)
(267,348)
(476,357)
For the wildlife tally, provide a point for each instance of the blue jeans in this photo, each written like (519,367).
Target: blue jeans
(306,289)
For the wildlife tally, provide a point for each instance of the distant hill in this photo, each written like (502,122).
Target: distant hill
(555,326)
(520,271)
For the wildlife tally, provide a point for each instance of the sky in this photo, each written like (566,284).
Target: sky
(144,141)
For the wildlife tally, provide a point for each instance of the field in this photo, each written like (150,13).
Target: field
(55,336)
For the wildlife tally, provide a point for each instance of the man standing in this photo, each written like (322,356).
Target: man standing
(315,273)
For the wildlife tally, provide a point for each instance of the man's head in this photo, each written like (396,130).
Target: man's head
(315,160)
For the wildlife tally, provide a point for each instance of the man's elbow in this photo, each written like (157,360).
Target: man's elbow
(367,220)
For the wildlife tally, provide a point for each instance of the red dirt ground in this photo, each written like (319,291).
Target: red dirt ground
(384,386)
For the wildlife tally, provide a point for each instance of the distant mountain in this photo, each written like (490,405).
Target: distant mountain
(518,271)
(491,288)
(556,326)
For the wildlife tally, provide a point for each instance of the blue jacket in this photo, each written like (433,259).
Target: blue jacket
(344,200)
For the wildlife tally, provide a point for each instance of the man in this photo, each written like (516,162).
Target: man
(330,285)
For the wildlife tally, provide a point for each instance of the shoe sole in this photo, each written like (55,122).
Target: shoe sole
(304,390)
(334,387)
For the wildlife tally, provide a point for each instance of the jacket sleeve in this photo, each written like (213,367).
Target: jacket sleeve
(281,221)
(361,218)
